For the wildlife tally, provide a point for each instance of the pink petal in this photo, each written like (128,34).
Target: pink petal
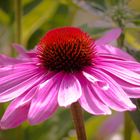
(14,69)
(109,37)
(101,84)
(70,90)
(128,64)
(5,60)
(12,88)
(90,101)
(14,116)
(114,97)
(108,49)
(122,73)
(18,109)
(101,56)
(20,49)
(44,104)
(133,91)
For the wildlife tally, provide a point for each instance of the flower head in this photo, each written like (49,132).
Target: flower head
(67,66)
(66,49)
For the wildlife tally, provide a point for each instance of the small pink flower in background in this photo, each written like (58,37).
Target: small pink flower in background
(67,66)
(110,126)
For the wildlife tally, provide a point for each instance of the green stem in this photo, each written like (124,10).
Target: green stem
(78,120)
(128,126)
(18,18)
(121,39)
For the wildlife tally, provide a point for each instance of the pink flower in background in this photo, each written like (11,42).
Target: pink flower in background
(67,66)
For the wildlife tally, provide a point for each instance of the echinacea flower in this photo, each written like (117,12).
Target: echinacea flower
(67,66)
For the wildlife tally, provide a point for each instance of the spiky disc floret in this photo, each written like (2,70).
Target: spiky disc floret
(66,49)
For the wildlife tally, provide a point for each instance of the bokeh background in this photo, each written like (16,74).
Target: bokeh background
(26,21)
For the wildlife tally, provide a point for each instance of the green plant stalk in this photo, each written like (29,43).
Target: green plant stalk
(17,38)
(128,126)
(121,39)
(17,25)
(78,120)
(18,21)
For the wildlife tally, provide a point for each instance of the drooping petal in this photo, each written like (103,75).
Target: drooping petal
(109,37)
(90,101)
(19,108)
(13,116)
(122,73)
(114,97)
(70,90)
(133,91)
(45,103)
(13,87)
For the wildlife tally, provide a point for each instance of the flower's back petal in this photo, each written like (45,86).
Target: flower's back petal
(23,52)
(109,37)
(114,97)
(44,104)
(5,60)
(90,101)
(70,90)
(20,49)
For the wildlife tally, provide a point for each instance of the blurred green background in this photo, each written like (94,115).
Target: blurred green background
(26,21)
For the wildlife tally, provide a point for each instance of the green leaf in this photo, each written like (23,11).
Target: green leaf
(135,115)
(33,20)
(135,135)
(132,37)
(136,22)
(4,18)
(136,118)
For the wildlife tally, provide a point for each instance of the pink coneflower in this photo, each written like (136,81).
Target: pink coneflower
(67,66)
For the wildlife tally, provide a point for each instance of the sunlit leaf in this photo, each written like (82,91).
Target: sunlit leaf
(4,19)
(136,118)
(33,20)
(132,37)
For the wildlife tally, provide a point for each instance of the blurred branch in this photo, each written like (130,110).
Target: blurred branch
(89,6)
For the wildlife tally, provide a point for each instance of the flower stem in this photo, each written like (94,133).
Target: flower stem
(78,120)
